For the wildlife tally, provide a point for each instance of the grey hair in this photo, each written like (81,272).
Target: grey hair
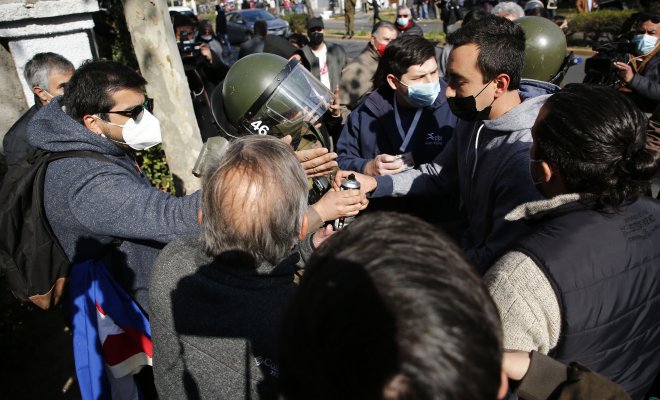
(254,200)
(37,70)
(508,8)
(382,25)
(404,7)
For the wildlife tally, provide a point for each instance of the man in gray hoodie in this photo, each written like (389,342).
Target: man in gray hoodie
(91,203)
(487,159)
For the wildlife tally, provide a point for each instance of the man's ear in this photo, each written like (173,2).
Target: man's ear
(93,124)
(41,94)
(392,81)
(502,81)
(548,170)
(304,227)
(372,40)
(504,386)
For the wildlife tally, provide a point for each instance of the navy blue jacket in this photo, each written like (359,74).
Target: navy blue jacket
(604,268)
(371,130)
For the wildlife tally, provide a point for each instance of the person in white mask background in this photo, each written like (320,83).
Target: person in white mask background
(640,76)
(405,122)
(46,74)
(405,23)
(90,203)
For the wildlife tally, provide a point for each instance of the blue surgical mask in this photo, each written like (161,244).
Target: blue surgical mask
(422,94)
(644,44)
(402,21)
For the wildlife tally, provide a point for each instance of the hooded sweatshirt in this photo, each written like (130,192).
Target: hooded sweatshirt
(487,162)
(89,202)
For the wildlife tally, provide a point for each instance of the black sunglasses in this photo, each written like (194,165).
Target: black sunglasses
(137,110)
(402,16)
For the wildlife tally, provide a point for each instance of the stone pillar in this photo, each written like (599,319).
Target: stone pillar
(58,26)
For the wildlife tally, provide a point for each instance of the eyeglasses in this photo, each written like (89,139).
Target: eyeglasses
(402,16)
(136,111)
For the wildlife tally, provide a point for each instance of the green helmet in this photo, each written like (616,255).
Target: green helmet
(545,48)
(267,95)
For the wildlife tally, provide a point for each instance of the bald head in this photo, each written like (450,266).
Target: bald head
(254,200)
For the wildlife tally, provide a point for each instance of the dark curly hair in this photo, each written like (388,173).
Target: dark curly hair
(595,136)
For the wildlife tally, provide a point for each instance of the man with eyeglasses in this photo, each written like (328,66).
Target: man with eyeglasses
(47,74)
(405,23)
(93,204)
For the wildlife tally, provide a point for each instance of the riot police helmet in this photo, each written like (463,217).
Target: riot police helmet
(266,94)
(545,48)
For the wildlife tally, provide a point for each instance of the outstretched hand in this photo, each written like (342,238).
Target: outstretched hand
(340,203)
(321,235)
(334,108)
(316,162)
(384,164)
(624,71)
(367,183)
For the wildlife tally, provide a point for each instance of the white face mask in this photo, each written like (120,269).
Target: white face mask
(402,21)
(143,134)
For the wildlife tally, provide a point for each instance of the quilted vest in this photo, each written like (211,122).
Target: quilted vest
(604,267)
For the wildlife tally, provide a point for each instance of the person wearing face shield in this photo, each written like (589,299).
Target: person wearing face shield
(486,160)
(47,74)
(405,122)
(640,76)
(264,94)
(90,203)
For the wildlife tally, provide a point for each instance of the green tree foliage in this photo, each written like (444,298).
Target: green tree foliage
(600,26)
(297,22)
(114,43)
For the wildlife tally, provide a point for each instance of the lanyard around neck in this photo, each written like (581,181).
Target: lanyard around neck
(406,136)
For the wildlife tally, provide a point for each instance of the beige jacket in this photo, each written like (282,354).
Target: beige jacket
(356,79)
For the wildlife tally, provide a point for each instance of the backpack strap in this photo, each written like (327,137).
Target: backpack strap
(52,156)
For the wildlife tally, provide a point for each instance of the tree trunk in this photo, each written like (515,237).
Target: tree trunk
(12,103)
(308,6)
(158,56)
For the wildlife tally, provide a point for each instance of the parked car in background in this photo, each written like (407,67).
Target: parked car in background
(187,11)
(240,24)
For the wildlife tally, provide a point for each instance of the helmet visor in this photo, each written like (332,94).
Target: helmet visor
(299,98)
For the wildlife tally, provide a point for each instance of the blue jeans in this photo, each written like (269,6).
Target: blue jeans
(424,10)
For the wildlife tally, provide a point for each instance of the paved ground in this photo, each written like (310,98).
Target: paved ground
(354,46)
(363,22)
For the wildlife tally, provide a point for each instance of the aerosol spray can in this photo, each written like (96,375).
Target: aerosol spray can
(349,183)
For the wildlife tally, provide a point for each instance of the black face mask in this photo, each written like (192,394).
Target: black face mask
(316,38)
(465,108)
